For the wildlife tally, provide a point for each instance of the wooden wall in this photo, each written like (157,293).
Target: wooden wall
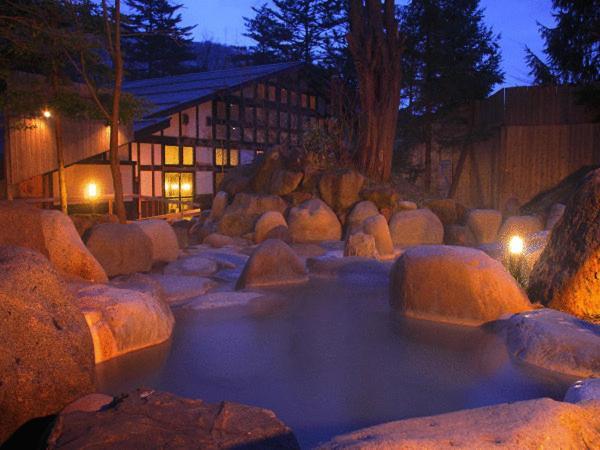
(33,150)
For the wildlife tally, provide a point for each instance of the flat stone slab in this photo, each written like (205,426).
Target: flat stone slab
(584,390)
(533,424)
(555,341)
(192,265)
(226,299)
(178,288)
(156,420)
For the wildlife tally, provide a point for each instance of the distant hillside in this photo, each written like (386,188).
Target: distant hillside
(214,56)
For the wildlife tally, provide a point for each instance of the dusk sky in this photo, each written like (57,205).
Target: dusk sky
(515,20)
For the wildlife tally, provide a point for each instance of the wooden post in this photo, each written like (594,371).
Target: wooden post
(7,159)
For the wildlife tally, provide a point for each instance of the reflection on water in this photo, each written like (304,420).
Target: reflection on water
(329,357)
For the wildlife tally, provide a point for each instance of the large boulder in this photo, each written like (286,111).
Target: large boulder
(567,274)
(554,215)
(378,227)
(285,182)
(519,226)
(454,284)
(218,205)
(51,233)
(484,223)
(361,211)
(281,232)
(240,217)
(340,189)
(416,227)
(265,223)
(532,424)
(121,249)
(361,244)
(272,263)
(124,320)
(165,247)
(554,341)
(154,419)
(46,352)
(314,221)
(448,210)
(84,222)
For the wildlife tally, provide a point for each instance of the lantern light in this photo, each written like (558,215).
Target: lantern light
(91,191)
(47,114)
(516,245)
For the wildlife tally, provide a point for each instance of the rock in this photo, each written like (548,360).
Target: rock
(285,182)
(84,222)
(297,197)
(453,284)
(217,240)
(52,234)
(219,205)
(88,403)
(192,265)
(121,249)
(265,169)
(281,232)
(123,320)
(265,223)
(361,244)
(152,419)
(221,300)
(406,205)
(512,207)
(241,216)
(272,263)
(165,247)
(417,227)
(234,182)
(182,232)
(567,274)
(141,282)
(202,230)
(340,189)
(583,391)
(555,341)
(383,197)
(484,223)
(46,352)
(556,212)
(448,210)
(378,227)
(360,212)
(532,424)
(459,235)
(314,221)
(353,268)
(178,288)
(519,226)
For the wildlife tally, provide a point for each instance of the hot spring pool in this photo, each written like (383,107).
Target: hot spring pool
(328,357)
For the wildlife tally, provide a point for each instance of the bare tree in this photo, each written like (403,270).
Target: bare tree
(376,46)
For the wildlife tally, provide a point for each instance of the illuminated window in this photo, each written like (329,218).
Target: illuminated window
(171,155)
(188,156)
(220,157)
(234,157)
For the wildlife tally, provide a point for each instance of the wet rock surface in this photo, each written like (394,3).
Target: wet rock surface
(154,420)
(165,247)
(314,221)
(583,391)
(46,352)
(416,227)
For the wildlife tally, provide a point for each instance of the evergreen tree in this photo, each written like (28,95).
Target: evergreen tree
(451,59)
(155,43)
(572,47)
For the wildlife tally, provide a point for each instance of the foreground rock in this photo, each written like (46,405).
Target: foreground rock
(532,424)
(567,275)
(165,247)
(378,227)
(152,420)
(484,223)
(555,341)
(124,320)
(583,391)
(361,211)
(240,217)
(267,222)
(51,233)
(272,263)
(453,284)
(417,227)
(46,352)
(121,249)
(314,221)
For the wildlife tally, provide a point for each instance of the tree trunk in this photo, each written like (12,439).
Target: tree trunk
(376,47)
(115,164)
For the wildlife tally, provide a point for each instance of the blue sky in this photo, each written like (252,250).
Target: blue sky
(515,20)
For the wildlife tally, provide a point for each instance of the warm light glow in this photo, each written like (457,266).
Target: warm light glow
(91,191)
(516,245)
(47,114)
(186,187)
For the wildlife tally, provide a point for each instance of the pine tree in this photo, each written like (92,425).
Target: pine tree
(572,47)
(451,59)
(155,43)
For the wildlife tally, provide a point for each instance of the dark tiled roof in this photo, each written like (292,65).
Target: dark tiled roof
(169,94)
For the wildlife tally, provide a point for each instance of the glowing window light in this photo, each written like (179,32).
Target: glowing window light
(186,187)
(516,245)
(91,191)
(47,114)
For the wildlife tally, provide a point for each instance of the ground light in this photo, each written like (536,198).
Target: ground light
(516,246)
(47,114)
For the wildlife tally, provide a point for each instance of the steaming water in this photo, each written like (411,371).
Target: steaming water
(329,357)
